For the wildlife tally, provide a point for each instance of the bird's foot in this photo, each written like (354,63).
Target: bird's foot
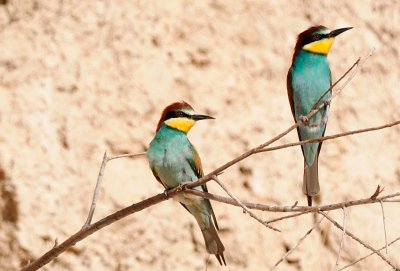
(326,104)
(181,187)
(166,193)
(304,119)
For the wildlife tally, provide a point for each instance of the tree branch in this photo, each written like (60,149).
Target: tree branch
(360,241)
(325,138)
(128,155)
(96,191)
(298,243)
(342,240)
(360,61)
(100,179)
(301,209)
(244,207)
(372,253)
(384,225)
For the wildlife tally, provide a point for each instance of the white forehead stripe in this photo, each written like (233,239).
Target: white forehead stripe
(188,111)
(324,31)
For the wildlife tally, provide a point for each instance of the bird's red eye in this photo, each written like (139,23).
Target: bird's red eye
(316,36)
(180,114)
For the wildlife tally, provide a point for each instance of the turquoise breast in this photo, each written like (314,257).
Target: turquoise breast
(310,78)
(169,155)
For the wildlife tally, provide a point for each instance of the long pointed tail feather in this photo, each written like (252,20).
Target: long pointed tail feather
(214,244)
(310,180)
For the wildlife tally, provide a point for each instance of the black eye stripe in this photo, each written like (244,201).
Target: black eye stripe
(323,36)
(176,114)
(314,37)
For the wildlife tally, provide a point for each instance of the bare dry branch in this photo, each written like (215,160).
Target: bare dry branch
(128,155)
(391,200)
(325,138)
(96,191)
(357,65)
(100,179)
(55,243)
(384,225)
(342,240)
(377,192)
(372,253)
(298,243)
(285,217)
(337,225)
(245,209)
(301,209)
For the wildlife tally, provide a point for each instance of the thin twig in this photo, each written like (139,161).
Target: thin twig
(342,240)
(285,217)
(377,192)
(100,179)
(302,213)
(128,155)
(372,253)
(337,225)
(325,138)
(384,225)
(360,61)
(245,209)
(298,243)
(55,243)
(96,191)
(283,209)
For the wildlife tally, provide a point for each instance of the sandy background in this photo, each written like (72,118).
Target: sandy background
(81,77)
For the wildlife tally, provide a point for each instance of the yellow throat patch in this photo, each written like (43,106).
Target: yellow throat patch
(181,124)
(319,47)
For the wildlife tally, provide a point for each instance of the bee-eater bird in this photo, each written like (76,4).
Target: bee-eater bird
(175,161)
(308,79)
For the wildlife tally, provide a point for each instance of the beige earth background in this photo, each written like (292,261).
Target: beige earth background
(81,77)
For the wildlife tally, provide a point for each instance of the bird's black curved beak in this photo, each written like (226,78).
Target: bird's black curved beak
(201,117)
(339,31)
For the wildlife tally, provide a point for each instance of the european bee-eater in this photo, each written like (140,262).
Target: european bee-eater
(308,79)
(175,161)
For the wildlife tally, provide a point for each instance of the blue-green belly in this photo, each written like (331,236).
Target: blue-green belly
(311,77)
